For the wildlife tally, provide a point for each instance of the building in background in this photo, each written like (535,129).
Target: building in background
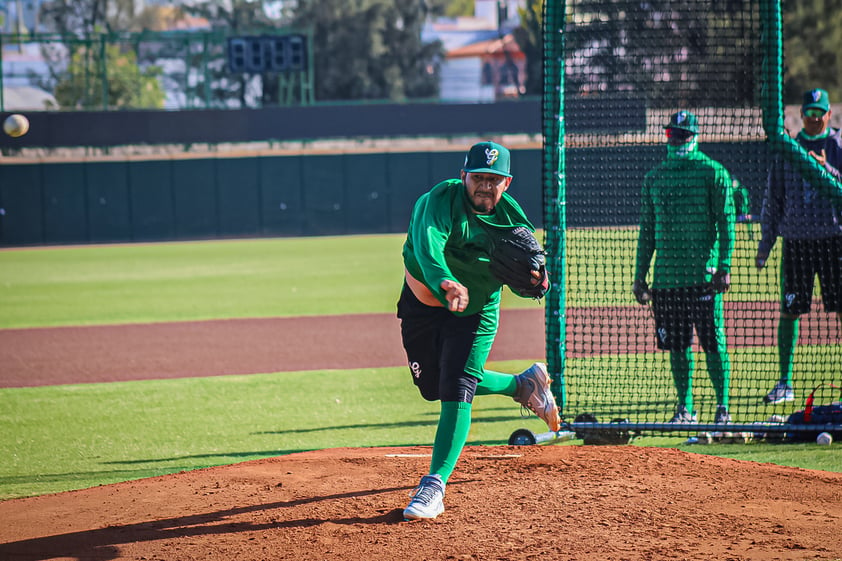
(483,62)
(485,71)
(19,16)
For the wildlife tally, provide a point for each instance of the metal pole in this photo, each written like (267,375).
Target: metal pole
(772,105)
(555,199)
(103,63)
(2,87)
(206,81)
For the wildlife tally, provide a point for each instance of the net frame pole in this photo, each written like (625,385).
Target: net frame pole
(554,194)
(2,98)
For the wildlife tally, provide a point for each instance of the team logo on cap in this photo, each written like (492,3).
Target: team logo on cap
(491,155)
(789,298)
(817,95)
(680,117)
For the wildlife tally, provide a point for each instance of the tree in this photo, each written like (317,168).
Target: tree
(371,49)
(671,54)
(75,63)
(812,35)
(456,8)
(127,85)
(84,17)
(665,51)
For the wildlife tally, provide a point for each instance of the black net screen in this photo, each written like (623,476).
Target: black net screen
(659,153)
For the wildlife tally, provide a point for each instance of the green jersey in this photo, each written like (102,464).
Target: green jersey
(686,220)
(447,241)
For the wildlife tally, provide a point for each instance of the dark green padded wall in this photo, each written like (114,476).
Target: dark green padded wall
(22,204)
(409,177)
(304,195)
(195,199)
(152,200)
(323,194)
(109,210)
(367,191)
(65,204)
(281,203)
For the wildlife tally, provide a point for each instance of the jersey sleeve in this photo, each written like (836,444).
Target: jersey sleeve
(429,231)
(646,235)
(725,216)
(833,153)
(772,210)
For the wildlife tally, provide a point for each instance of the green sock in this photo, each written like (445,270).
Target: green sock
(451,435)
(681,364)
(719,369)
(787,340)
(496,383)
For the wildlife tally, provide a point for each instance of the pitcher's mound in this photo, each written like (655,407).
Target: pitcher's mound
(512,503)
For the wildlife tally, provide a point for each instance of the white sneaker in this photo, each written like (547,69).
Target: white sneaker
(683,416)
(780,393)
(427,499)
(533,392)
(721,415)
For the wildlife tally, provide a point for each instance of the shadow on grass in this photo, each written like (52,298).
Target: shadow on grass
(84,479)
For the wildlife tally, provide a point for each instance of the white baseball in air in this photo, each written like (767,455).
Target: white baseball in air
(16,125)
(824,439)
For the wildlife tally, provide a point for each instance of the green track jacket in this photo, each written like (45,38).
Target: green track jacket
(686,220)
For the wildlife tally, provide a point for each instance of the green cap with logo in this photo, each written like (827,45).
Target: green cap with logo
(816,99)
(683,120)
(488,157)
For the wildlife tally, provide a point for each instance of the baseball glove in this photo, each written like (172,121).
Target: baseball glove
(514,257)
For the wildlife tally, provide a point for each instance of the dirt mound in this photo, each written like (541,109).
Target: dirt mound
(511,503)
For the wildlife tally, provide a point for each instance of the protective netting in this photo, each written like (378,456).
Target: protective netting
(621,205)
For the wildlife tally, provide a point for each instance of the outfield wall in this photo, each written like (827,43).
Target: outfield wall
(300,195)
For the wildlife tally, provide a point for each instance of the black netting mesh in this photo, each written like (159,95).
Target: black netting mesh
(616,71)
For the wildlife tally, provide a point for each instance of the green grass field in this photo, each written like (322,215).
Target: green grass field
(201,280)
(94,285)
(601,267)
(75,436)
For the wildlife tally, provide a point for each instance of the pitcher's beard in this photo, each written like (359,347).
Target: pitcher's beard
(482,205)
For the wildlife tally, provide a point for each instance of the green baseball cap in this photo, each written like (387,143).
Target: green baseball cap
(817,99)
(488,157)
(683,120)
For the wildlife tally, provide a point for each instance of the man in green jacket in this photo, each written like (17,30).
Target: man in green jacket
(687,222)
(450,306)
